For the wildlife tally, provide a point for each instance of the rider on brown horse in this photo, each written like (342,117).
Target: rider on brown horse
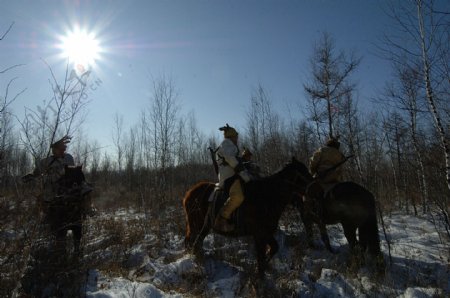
(231,174)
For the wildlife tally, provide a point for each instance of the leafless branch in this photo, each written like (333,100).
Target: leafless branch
(11,67)
(7,31)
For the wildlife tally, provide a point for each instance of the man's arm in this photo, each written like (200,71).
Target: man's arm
(314,162)
(229,152)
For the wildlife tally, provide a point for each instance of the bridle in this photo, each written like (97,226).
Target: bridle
(298,179)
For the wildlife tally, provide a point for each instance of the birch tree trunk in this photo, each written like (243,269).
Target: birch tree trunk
(429,90)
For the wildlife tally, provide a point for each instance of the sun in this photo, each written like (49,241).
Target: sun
(81,48)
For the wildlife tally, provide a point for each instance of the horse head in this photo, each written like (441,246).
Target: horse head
(73,176)
(297,175)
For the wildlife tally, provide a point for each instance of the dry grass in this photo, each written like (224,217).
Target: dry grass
(111,238)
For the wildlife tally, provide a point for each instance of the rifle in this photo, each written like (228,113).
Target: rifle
(323,174)
(212,152)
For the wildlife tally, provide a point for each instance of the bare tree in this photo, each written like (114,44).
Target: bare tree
(264,130)
(144,141)
(162,121)
(424,41)
(95,161)
(118,136)
(330,79)
(190,144)
(405,94)
(395,136)
(61,115)
(301,140)
(350,131)
(6,140)
(130,156)
(163,115)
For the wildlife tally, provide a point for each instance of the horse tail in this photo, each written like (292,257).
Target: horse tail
(368,232)
(195,204)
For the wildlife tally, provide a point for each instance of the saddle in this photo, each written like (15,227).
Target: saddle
(316,193)
(216,200)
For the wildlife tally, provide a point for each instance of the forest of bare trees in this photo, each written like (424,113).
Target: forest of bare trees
(400,147)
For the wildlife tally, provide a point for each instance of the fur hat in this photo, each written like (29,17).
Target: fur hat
(333,142)
(62,142)
(228,131)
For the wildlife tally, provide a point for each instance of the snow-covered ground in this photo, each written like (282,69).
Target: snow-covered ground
(418,265)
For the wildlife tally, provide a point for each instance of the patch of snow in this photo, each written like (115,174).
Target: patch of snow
(332,284)
(100,287)
(421,293)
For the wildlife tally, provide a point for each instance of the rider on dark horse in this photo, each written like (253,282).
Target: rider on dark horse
(326,158)
(232,174)
(56,192)
(326,167)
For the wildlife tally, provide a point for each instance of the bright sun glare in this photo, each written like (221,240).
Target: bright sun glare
(81,48)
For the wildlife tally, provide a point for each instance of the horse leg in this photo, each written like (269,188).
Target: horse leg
(273,248)
(198,230)
(198,241)
(77,234)
(350,234)
(60,241)
(363,239)
(324,236)
(193,228)
(188,242)
(370,241)
(307,223)
(309,234)
(373,238)
(261,256)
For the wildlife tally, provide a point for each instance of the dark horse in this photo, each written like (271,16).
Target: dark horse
(265,200)
(65,212)
(347,203)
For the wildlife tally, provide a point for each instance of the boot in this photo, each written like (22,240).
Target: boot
(222,224)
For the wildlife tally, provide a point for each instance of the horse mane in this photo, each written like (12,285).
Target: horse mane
(264,188)
(280,172)
(196,188)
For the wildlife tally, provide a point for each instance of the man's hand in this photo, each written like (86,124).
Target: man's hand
(239,168)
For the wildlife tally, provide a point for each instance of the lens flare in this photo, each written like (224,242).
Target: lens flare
(81,48)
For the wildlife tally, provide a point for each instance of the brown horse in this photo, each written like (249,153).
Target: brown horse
(265,200)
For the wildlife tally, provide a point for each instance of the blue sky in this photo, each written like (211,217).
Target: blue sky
(215,51)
